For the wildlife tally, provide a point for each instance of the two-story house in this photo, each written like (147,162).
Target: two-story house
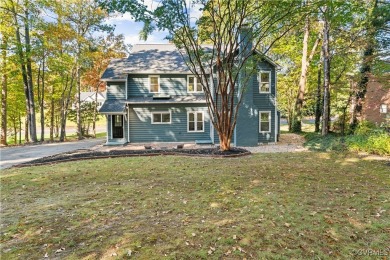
(152,96)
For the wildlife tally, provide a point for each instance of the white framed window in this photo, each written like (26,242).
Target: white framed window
(161,117)
(195,121)
(383,109)
(265,81)
(154,84)
(265,121)
(193,84)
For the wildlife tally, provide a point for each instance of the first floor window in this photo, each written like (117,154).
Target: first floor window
(265,81)
(195,122)
(193,84)
(161,118)
(265,122)
(383,109)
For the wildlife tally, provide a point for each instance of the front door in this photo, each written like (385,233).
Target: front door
(117,126)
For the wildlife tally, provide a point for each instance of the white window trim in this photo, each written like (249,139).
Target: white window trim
(161,112)
(195,84)
(196,121)
(270,80)
(158,80)
(269,121)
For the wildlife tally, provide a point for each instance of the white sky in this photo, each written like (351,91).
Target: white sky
(125,25)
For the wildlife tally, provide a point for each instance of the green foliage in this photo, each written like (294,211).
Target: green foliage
(375,142)
(367,139)
(87,110)
(364,128)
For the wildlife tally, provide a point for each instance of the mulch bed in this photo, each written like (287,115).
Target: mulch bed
(86,154)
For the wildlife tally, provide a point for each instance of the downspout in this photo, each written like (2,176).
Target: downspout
(276,113)
(107,116)
(128,123)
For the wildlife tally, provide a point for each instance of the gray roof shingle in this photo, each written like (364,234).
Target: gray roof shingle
(113,106)
(147,59)
(152,59)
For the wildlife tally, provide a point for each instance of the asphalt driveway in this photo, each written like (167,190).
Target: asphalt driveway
(14,155)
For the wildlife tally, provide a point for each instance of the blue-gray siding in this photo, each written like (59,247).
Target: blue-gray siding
(142,130)
(254,102)
(265,102)
(138,85)
(116,90)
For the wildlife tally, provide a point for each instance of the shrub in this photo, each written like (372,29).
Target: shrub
(367,139)
(364,128)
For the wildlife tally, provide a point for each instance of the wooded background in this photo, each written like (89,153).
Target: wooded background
(53,50)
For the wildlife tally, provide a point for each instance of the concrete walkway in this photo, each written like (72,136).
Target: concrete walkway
(15,155)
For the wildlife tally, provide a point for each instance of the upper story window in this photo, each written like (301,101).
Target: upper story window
(265,81)
(193,84)
(154,84)
(383,109)
(161,117)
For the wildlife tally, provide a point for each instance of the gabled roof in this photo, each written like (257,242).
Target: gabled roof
(147,59)
(152,59)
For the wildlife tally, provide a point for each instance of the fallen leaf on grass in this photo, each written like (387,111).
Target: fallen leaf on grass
(60,250)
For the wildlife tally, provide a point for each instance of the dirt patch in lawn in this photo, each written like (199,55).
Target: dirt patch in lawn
(88,154)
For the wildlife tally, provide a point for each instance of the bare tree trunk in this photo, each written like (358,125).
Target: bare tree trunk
(52,113)
(224,142)
(15,127)
(32,122)
(326,57)
(20,129)
(19,51)
(4,93)
(26,136)
(95,111)
(318,111)
(297,122)
(42,101)
(40,92)
(78,101)
(64,108)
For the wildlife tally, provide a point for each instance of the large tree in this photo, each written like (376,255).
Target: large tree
(22,14)
(232,29)
(376,42)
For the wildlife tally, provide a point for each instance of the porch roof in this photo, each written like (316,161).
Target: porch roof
(113,106)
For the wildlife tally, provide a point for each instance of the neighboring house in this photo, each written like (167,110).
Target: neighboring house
(153,97)
(376,107)
(90,97)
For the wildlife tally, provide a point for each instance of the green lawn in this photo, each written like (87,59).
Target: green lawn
(282,206)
